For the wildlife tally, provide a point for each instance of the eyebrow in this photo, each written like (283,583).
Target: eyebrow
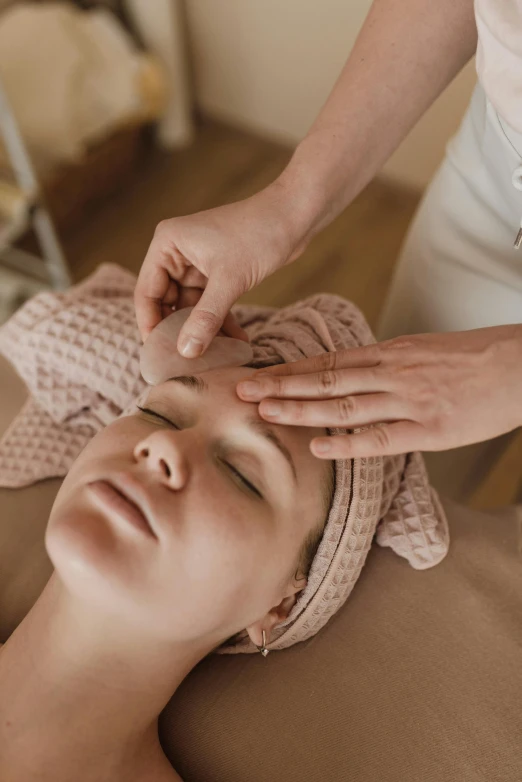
(190,381)
(262,428)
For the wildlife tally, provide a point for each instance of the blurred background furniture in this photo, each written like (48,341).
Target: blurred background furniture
(22,274)
(69,142)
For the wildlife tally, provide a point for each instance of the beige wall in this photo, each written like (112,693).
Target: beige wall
(269,65)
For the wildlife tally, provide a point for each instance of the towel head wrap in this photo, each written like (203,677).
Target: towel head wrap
(78,354)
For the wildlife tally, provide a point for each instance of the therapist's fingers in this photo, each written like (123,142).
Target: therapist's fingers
(209,314)
(364,356)
(231,328)
(459,388)
(326,384)
(383,440)
(155,295)
(346,412)
(189,297)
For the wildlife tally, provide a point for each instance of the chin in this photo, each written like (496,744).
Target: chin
(73,548)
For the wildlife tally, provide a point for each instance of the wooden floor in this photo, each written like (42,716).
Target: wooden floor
(353,257)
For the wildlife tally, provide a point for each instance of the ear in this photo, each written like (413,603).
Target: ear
(277,614)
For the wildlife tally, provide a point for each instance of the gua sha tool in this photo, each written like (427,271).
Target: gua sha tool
(160,359)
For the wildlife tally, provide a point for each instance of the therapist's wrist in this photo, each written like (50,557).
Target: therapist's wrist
(318,186)
(297,211)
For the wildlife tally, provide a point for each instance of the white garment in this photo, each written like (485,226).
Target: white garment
(458,268)
(499,56)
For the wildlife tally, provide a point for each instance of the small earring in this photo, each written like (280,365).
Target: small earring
(264,651)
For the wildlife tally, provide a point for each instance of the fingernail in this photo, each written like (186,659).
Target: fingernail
(272,409)
(321,446)
(191,348)
(249,387)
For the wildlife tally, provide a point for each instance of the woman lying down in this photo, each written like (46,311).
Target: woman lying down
(185,525)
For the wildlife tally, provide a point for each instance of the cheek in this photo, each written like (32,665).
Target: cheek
(227,544)
(232,558)
(218,541)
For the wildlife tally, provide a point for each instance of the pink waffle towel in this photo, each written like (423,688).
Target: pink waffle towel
(78,353)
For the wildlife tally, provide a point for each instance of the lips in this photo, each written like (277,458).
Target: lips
(125,498)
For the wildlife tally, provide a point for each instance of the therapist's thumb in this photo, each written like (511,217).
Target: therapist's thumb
(207,316)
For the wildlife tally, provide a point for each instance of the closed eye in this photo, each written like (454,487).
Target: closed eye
(246,483)
(153,413)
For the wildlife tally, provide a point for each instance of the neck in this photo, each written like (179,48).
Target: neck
(82,689)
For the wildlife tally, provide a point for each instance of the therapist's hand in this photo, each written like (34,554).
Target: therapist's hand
(430,392)
(211,258)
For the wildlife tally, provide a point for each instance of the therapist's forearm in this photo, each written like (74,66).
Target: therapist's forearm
(407,52)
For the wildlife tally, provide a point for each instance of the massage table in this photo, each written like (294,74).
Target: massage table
(418,678)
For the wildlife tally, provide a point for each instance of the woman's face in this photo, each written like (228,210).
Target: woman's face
(188,515)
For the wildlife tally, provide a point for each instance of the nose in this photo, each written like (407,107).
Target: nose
(162,453)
